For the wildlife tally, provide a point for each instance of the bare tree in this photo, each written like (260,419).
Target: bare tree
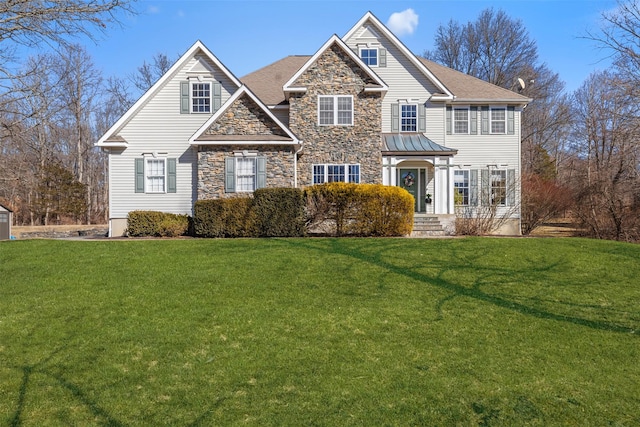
(607,143)
(52,23)
(494,48)
(148,73)
(620,35)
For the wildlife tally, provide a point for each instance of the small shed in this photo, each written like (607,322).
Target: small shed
(5,222)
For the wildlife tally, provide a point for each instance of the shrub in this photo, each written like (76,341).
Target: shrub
(359,209)
(156,224)
(279,212)
(383,211)
(232,217)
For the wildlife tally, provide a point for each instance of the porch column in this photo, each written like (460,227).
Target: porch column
(389,171)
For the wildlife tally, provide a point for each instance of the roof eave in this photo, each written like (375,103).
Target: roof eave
(419,153)
(246,142)
(491,100)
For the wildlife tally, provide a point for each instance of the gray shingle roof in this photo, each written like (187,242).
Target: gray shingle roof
(466,87)
(267,82)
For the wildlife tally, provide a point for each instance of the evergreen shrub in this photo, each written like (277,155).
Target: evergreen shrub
(156,224)
(231,217)
(279,212)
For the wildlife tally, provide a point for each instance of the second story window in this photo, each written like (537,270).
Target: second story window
(335,110)
(408,118)
(369,57)
(460,120)
(201,97)
(498,120)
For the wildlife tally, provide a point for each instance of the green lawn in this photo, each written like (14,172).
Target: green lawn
(332,332)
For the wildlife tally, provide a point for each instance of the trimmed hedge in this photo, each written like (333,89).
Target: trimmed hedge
(279,212)
(156,224)
(232,217)
(342,209)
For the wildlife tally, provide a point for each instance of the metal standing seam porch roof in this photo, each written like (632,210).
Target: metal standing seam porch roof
(413,144)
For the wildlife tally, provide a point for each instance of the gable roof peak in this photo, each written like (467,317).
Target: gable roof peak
(197,47)
(371,18)
(337,41)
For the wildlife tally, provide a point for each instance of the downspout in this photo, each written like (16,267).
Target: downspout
(295,166)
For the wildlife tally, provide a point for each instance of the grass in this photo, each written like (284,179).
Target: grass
(474,331)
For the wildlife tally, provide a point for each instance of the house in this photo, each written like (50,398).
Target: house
(362,109)
(5,223)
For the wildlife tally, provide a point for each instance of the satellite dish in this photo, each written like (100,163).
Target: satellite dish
(521,83)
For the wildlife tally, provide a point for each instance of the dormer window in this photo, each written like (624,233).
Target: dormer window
(369,57)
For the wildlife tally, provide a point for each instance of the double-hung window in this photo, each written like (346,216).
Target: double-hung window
(335,110)
(498,120)
(408,118)
(155,175)
(245,174)
(460,120)
(498,187)
(201,97)
(461,184)
(336,173)
(369,57)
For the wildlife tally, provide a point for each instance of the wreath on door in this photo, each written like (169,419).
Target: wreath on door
(409,180)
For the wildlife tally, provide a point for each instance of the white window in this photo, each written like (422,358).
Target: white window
(201,97)
(460,120)
(498,187)
(245,174)
(336,173)
(155,175)
(498,120)
(369,57)
(461,184)
(408,118)
(335,110)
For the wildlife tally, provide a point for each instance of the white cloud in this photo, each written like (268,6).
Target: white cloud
(153,10)
(401,23)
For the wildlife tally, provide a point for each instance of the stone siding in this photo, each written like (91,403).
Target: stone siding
(335,73)
(245,117)
(280,166)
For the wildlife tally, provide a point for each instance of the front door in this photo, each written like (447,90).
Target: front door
(410,181)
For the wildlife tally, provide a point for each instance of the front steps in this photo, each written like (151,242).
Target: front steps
(427,226)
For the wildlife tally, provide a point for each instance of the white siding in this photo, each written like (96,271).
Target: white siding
(159,127)
(404,79)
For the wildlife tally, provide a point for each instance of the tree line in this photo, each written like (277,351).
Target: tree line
(580,150)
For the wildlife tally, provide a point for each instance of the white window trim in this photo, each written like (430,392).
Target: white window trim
(404,104)
(325,174)
(200,80)
(361,48)
(453,120)
(335,110)
(491,121)
(245,156)
(504,173)
(468,187)
(147,176)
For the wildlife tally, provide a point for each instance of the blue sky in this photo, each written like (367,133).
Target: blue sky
(247,35)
